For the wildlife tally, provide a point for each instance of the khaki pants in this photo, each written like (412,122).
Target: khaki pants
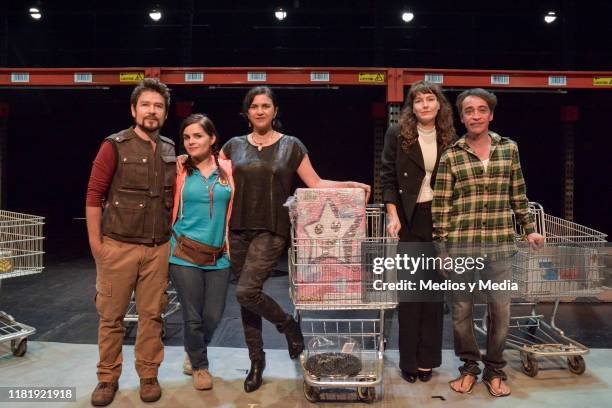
(122,268)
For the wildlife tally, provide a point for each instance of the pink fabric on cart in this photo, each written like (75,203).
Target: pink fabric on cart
(329,227)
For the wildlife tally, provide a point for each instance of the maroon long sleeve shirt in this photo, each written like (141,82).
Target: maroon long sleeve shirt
(101,176)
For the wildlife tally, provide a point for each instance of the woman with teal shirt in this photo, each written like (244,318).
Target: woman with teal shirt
(202,207)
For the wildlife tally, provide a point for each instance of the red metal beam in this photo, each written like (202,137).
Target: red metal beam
(395,86)
(513,79)
(69,77)
(315,76)
(207,76)
(394,79)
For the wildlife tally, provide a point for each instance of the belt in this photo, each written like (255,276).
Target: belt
(153,244)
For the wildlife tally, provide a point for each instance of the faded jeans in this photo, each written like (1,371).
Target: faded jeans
(498,318)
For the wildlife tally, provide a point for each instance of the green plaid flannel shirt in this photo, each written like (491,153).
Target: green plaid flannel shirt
(472,206)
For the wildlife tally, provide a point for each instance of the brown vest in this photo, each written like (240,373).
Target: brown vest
(139,203)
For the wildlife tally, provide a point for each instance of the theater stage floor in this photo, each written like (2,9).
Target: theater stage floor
(73,365)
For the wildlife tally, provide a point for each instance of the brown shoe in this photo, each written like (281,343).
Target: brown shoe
(187,369)
(104,393)
(202,380)
(150,391)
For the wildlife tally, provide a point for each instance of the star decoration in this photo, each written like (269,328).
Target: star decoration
(327,232)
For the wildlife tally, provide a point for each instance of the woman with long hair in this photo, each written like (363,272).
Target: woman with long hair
(410,159)
(264,163)
(199,264)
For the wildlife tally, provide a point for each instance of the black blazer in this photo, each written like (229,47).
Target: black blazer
(402,174)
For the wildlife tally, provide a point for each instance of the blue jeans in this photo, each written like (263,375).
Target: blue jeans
(202,296)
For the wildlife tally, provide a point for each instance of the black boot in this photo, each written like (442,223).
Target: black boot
(254,378)
(408,376)
(295,339)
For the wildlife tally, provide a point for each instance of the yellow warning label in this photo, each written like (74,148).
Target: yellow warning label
(131,76)
(372,77)
(602,81)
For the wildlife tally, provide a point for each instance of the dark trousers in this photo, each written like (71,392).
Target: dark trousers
(202,297)
(498,318)
(254,255)
(420,335)
(420,323)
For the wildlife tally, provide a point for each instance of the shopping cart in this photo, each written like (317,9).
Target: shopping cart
(567,266)
(131,317)
(21,242)
(342,354)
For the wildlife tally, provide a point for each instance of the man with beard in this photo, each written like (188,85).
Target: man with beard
(129,203)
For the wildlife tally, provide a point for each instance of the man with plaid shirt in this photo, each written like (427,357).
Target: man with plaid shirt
(478,185)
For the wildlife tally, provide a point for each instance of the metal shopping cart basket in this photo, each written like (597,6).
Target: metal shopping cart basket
(333,279)
(21,253)
(567,266)
(131,317)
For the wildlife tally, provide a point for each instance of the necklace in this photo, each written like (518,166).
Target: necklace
(210,189)
(260,145)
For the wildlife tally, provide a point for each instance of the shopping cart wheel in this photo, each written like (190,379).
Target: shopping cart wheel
(533,326)
(19,347)
(128,329)
(576,364)
(311,393)
(445,308)
(529,364)
(366,394)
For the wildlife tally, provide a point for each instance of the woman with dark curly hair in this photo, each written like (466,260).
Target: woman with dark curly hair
(409,161)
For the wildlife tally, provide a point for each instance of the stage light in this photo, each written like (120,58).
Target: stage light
(550,17)
(280,14)
(407,16)
(35,13)
(155,14)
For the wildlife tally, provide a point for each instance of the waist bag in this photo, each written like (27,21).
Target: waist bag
(196,252)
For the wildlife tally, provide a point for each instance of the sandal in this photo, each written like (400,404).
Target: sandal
(462,377)
(489,385)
